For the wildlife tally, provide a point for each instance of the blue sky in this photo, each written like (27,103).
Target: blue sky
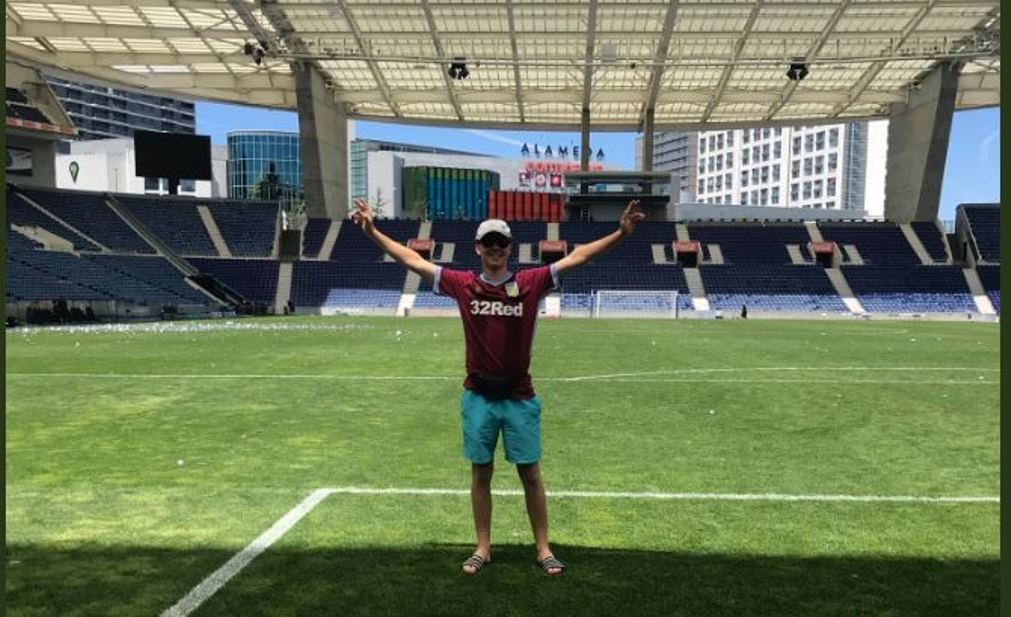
(972,172)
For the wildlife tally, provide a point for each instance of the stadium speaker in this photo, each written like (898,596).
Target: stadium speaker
(290,247)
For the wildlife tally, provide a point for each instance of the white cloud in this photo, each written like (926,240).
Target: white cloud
(986,144)
(489,135)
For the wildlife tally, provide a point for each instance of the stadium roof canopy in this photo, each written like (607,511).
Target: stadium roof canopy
(536,63)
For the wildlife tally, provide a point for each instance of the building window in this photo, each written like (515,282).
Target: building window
(809,143)
(817,189)
(819,164)
(807,190)
(702,145)
(702,186)
(719,140)
(152,185)
(745,156)
(830,187)
(778,132)
(833,161)
(766,132)
(744,178)
(775,172)
(796,145)
(777,149)
(744,198)
(730,138)
(833,138)
(730,160)
(764,197)
(775,195)
(719,163)
(744,136)
(727,180)
(830,205)
(765,152)
(795,191)
(712,142)
(754,175)
(820,140)
(795,167)
(808,166)
(187,186)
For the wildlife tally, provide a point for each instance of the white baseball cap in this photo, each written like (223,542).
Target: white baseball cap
(493,226)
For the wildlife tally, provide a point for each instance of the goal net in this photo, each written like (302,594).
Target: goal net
(631,303)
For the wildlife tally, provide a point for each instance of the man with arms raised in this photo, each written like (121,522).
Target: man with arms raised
(499,309)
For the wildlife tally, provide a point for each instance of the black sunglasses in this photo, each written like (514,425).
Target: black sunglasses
(498,240)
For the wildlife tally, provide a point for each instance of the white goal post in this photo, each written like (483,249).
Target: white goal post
(657,304)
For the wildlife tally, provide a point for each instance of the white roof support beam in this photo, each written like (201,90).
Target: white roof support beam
(872,72)
(729,69)
(66,29)
(363,48)
(812,52)
(659,60)
(433,31)
(591,39)
(517,83)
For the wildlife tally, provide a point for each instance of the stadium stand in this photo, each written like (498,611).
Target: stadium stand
(462,234)
(254,279)
(932,239)
(353,245)
(357,285)
(175,221)
(89,213)
(770,287)
(20,212)
(910,289)
(751,243)
(878,243)
(984,222)
(313,236)
(989,276)
(249,228)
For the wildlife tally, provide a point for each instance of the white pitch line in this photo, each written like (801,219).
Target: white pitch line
(210,585)
(601,377)
(217,579)
(773,497)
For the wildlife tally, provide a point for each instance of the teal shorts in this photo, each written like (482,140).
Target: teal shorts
(518,420)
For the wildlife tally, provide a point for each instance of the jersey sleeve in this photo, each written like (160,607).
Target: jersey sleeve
(542,280)
(449,282)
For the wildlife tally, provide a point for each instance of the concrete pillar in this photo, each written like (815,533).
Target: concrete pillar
(918,133)
(584,142)
(322,127)
(647,142)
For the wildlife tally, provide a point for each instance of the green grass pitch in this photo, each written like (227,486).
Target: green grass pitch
(127,489)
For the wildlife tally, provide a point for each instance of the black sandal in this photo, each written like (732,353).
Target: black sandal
(475,561)
(551,563)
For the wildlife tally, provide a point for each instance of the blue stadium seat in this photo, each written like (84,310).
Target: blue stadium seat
(910,289)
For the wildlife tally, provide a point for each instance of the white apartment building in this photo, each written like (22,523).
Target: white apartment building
(816,167)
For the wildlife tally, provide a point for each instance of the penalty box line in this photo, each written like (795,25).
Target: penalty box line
(217,579)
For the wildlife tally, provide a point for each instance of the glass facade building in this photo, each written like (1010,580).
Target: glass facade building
(264,165)
(102,112)
(359,155)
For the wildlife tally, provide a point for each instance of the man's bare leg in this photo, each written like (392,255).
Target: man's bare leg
(537,509)
(480,502)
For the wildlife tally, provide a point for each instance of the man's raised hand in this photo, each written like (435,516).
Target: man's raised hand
(630,218)
(362,215)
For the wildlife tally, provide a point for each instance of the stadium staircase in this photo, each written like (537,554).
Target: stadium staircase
(795,256)
(681,233)
(914,241)
(329,240)
(853,255)
(41,235)
(212,230)
(842,287)
(283,293)
(552,232)
(979,294)
(694,279)
(813,231)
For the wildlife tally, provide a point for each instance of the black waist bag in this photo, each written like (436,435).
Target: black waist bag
(494,387)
